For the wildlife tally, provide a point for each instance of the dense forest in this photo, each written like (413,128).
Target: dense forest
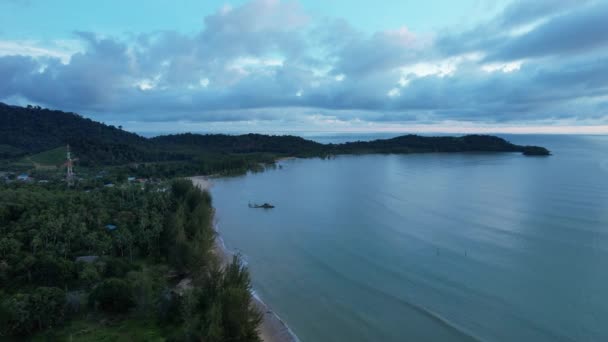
(71,258)
(34,129)
(30,130)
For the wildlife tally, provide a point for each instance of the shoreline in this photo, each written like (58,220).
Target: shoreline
(272,328)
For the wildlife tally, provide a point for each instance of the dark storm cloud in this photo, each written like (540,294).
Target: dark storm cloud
(13,69)
(268,60)
(93,79)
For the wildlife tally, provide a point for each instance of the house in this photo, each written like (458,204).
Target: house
(24,177)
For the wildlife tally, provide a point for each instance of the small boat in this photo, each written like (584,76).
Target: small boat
(262,206)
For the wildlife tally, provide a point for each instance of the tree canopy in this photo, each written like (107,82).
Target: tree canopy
(58,259)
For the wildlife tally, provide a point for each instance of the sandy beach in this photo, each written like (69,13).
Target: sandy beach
(272,329)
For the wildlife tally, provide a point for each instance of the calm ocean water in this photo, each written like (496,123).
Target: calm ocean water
(435,247)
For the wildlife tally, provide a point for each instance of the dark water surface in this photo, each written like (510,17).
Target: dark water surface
(436,247)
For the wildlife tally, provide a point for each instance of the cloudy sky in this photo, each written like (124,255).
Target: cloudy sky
(312,65)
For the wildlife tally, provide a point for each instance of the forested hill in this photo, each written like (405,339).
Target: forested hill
(246,143)
(415,143)
(25,131)
(33,129)
(297,146)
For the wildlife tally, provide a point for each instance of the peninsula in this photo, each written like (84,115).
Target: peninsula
(27,131)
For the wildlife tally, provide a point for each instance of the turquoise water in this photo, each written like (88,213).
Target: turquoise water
(435,247)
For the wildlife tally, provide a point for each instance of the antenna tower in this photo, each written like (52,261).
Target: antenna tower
(70,168)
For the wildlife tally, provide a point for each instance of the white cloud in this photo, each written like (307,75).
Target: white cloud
(61,49)
(245,62)
(247,65)
(148,83)
(404,82)
(442,68)
(504,67)
(145,84)
(395,92)
(225,9)
(526,28)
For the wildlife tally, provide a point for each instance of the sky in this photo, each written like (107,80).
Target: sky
(272,66)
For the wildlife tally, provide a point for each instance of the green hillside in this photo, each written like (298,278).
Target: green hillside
(36,136)
(54,157)
(33,130)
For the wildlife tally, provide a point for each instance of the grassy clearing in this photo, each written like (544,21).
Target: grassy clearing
(52,157)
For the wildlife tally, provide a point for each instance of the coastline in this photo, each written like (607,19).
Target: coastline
(273,328)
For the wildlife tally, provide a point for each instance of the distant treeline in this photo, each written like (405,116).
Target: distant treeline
(30,130)
(118,253)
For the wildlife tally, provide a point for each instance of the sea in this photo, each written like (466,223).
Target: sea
(429,247)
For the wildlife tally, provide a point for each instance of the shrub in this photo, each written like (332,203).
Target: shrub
(52,271)
(112,295)
(23,313)
(88,275)
(147,287)
(116,268)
